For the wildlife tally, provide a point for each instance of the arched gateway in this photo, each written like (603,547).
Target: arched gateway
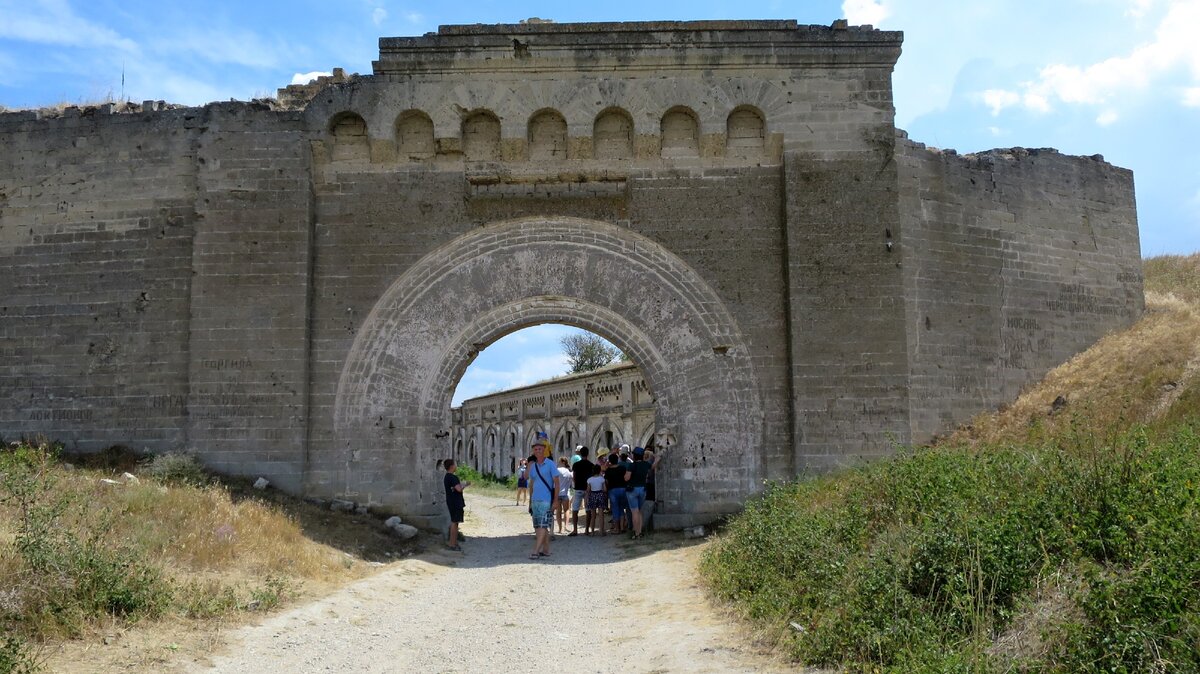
(394,393)
(291,288)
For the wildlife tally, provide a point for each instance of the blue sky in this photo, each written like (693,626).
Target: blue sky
(1114,77)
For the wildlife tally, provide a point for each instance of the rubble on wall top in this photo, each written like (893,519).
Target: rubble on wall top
(1005,153)
(296,96)
(116,108)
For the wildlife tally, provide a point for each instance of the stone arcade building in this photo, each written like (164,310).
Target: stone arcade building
(293,289)
(600,409)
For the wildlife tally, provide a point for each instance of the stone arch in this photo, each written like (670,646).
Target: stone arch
(350,140)
(646,436)
(680,133)
(491,448)
(745,132)
(414,136)
(547,136)
(481,136)
(510,442)
(612,134)
(393,399)
(600,437)
(472,459)
(566,436)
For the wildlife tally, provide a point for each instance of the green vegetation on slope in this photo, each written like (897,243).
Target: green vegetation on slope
(1035,539)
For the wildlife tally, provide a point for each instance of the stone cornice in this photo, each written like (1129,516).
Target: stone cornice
(629,48)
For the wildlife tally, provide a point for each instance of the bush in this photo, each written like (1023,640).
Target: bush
(68,581)
(469,474)
(919,563)
(16,657)
(176,468)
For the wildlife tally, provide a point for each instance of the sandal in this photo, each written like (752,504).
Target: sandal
(543,554)
(535,555)
(454,548)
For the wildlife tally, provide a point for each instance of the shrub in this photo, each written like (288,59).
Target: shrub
(68,581)
(919,562)
(176,468)
(16,657)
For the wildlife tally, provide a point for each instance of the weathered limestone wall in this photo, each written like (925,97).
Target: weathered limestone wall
(1014,261)
(97,215)
(248,348)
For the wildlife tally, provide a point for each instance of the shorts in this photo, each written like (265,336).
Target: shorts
(456,514)
(522,483)
(541,514)
(563,498)
(578,500)
(596,500)
(636,496)
(616,499)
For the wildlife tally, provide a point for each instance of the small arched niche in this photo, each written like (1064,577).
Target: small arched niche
(680,134)
(481,136)
(350,140)
(745,133)
(612,135)
(414,136)
(547,136)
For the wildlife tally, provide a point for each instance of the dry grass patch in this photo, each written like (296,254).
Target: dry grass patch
(85,552)
(1135,376)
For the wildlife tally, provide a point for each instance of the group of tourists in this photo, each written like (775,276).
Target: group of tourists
(620,482)
(616,493)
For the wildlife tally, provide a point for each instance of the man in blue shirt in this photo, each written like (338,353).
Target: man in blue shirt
(543,492)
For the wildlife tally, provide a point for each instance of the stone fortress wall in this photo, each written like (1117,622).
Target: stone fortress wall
(294,290)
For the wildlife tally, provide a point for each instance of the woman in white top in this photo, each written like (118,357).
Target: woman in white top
(564,493)
(596,498)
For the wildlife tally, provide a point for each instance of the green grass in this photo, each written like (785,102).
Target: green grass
(487,483)
(1065,543)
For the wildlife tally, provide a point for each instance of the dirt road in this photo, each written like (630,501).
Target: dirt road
(491,609)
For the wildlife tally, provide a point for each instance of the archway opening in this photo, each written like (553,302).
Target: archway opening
(392,412)
(572,385)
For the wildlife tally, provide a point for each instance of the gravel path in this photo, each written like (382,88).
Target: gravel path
(476,611)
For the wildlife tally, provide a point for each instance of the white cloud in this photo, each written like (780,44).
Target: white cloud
(378,15)
(305,78)
(414,17)
(1173,49)
(999,99)
(859,12)
(1036,102)
(1138,8)
(1107,117)
(995,131)
(478,381)
(1191,97)
(54,22)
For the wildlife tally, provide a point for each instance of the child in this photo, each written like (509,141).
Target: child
(454,501)
(596,498)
